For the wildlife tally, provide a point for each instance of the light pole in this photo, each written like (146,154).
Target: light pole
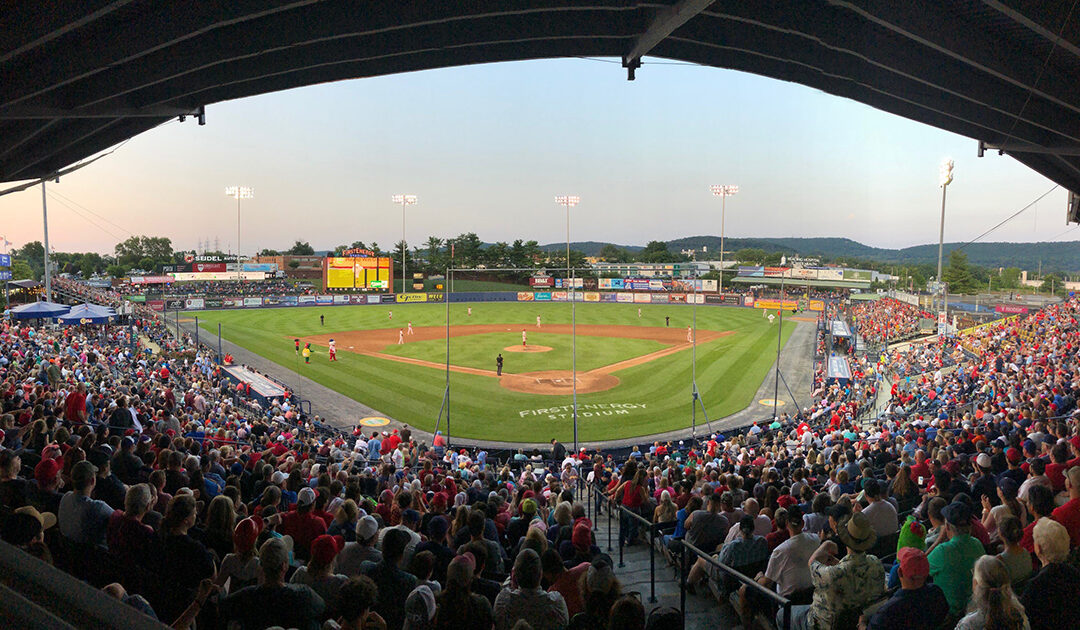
(570,201)
(945,177)
(238,193)
(404,200)
(723,192)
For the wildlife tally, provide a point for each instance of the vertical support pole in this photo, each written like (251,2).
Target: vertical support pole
(652,564)
(219,343)
(196,333)
(450,275)
(779,337)
(45,219)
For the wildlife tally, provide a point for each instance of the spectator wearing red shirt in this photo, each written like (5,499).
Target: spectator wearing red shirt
(1041,505)
(1069,514)
(1055,470)
(302,524)
(75,405)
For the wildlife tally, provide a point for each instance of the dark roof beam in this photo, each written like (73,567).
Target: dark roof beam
(829,47)
(933,27)
(663,24)
(16,21)
(173,83)
(174,23)
(31,112)
(1013,10)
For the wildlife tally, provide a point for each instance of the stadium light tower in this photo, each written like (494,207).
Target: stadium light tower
(570,201)
(404,200)
(945,177)
(723,192)
(238,193)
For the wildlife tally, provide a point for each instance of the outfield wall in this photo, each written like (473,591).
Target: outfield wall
(284,301)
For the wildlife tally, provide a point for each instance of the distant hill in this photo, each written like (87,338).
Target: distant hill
(1054,256)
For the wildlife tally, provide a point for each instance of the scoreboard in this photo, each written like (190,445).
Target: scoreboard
(358,273)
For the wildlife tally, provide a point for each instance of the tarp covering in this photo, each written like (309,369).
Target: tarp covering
(38,310)
(839,328)
(838,368)
(88,314)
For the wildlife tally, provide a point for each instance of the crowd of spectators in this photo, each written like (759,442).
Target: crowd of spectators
(225,288)
(139,473)
(887,319)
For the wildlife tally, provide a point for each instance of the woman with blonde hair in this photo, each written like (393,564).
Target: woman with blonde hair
(993,604)
(666,509)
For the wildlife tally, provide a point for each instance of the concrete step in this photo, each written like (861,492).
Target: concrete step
(703,611)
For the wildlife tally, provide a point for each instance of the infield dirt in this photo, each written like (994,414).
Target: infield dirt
(547,382)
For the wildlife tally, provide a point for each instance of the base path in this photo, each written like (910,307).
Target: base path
(550,382)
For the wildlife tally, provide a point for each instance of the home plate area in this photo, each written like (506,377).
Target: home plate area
(558,382)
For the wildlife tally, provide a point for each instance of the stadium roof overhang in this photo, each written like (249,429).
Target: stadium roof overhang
(79,77)
(795,284)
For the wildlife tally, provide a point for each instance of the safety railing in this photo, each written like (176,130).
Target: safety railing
(685,551)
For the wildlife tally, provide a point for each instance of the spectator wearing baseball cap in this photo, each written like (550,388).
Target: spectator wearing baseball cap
(14,490)
(952,560)
(318,572)
(364,549)
(48,480)
(1069,513)
(917,605)
(241,567)
(82,519)
(302,524)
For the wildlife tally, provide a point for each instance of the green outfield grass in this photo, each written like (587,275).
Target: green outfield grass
(480,351)
(651,398)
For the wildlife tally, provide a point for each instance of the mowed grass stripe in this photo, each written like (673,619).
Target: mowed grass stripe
(730,368)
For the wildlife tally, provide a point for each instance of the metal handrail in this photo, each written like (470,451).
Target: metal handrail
(685,547)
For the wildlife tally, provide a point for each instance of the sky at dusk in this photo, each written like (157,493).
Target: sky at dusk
(486,148)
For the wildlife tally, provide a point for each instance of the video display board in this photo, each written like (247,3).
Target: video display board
(358,273)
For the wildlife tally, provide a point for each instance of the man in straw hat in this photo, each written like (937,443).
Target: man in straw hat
(841,586)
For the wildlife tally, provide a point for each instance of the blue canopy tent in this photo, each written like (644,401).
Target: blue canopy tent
(39,310)
(88,314)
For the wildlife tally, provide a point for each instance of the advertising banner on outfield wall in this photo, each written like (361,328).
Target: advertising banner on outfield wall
(789,305)
(543,296)
(436,297)
(524,296)
(209,268)
(830,274)
(263,267)
(559,296)
(817,305)
(272,300)
(804,274)
(618,284)
(604,284)
(194,303)
(373,299)
(214,302)
(751,272)
(253,301)
(565,283)
(341,299)
(775,272)
(714,299)
(403,298)
(748,300)
(151,279)
(591,296)
(678,298)
(290,300)
(591,284)
(642,298)
(660,298)
(624,297)
(387,299)
(324,299)
(156,305)
(734,300)
(608,297)
(541,282)
(305,299)
(1011,309)
(232,302)
(637,285)
(174,304)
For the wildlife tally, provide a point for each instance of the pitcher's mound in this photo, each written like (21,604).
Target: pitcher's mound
(558,382)
(527,349)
